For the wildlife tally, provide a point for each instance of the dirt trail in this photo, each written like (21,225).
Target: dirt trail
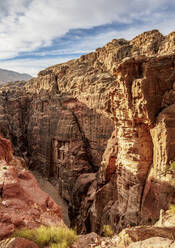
(53,191)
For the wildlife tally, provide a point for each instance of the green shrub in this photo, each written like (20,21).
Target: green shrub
(54,237)
(107,231)
(172,208)
(172,166)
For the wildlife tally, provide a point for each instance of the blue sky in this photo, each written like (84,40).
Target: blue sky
(35,34)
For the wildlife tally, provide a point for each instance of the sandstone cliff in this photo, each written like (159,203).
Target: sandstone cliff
(123,93)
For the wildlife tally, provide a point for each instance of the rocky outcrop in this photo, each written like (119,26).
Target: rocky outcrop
(6,151)
(51,188)
(56,134)
(94,240)
(159,235)
(99,242)
(154,242)
(17,243)
(61,121)
(140,233)
(22,202)
(142,138)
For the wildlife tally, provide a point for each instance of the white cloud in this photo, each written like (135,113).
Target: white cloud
(31,66)
(26,25)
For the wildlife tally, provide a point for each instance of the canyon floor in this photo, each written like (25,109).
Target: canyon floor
(52,190)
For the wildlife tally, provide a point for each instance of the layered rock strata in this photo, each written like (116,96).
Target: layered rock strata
(22,202)
(159,235)
(58,135)
(143,144)
(63,119)
(17,243)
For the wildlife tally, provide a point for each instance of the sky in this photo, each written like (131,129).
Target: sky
(35,34)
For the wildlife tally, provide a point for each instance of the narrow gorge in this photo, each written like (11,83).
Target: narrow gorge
(103,127)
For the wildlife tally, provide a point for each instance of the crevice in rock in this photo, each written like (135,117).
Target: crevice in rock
(147,174)
(86,143)
(57,88)
(2,190)
(143,189)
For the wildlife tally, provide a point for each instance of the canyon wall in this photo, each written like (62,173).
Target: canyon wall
(56,134)
(103,125)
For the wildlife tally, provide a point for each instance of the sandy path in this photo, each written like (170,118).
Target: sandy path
(53,191)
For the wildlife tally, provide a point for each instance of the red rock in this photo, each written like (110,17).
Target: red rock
(6,151)
(6,229)
(110,168)
(17,243)
(22,202)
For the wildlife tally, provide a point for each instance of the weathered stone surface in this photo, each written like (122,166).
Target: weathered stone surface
(147,236)
(57,135)
(156,242)
(17,243)
(135,104)
(6,151)
(52,190)
(94,240)
(144,232)
(87,240)
(22,202)
(62,120)
(159,235)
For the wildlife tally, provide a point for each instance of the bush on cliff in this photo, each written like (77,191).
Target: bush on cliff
(54,237)
(172,208)
(172,166)
(107,231)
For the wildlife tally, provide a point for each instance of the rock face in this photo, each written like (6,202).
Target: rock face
(22,202)
(144,137)
(159,235)
(154,242)
(58,135)
(6,150)
(94,240)
(123,93)
(17,243)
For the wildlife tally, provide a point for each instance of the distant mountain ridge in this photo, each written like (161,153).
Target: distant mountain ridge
(12,76)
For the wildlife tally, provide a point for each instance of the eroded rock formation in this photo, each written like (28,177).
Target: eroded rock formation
(123,93)
(22,202)
(144,142)
(17,243)
(159,235)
